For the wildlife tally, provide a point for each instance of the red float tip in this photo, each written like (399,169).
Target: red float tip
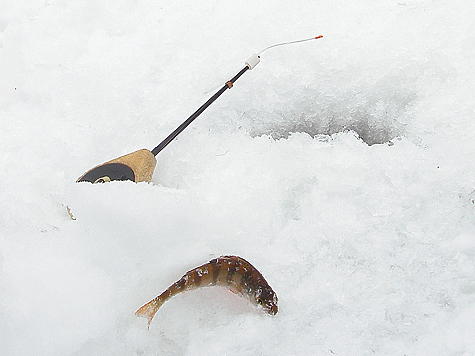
(318,37)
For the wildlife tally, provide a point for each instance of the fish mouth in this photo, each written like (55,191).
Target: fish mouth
(273,309)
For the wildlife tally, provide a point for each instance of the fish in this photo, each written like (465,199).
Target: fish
(233,272)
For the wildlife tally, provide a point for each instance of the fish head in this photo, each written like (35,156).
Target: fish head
(267,299)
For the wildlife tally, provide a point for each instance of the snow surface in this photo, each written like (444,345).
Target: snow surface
(343,169)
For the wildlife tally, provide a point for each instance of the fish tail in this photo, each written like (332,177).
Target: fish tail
(148,310)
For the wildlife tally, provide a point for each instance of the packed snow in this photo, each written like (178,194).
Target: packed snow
(343,169)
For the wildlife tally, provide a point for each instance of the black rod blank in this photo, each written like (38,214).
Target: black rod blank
(203,107)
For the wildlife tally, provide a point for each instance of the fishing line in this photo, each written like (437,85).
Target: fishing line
(257,56)
(287,43)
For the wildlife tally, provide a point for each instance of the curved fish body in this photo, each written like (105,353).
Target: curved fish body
(232,272)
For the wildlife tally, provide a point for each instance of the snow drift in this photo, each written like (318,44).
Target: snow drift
(341,169)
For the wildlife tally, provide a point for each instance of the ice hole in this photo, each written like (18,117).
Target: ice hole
(377,115)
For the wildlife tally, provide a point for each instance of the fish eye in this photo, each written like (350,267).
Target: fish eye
(259,301)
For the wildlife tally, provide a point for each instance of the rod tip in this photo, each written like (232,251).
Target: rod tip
(320,36)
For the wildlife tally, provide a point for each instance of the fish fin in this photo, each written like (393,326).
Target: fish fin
(148,310)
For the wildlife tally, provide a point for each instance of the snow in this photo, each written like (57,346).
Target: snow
(342,169)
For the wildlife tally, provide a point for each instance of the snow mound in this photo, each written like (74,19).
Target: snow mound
(343,169)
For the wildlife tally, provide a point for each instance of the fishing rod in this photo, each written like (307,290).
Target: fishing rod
(138,166)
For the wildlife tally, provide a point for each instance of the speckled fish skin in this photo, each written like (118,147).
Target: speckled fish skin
(229,271)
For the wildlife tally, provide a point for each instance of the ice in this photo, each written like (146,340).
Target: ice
(342,169)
